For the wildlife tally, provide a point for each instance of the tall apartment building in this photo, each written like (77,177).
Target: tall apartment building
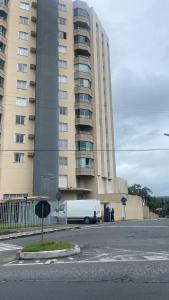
(56,129)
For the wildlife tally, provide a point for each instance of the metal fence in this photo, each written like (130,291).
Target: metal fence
(21,214)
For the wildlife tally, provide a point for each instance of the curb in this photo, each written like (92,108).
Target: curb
(49,254)
(36,232)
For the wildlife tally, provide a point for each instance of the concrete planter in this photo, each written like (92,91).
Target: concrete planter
(49,254)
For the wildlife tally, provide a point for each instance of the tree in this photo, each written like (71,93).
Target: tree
(144,192)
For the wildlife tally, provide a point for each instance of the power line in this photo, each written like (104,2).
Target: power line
(86,151)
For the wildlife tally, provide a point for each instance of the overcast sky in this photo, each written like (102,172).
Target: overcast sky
(139,39)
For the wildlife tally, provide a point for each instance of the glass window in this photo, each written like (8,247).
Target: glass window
(63,181)
(62,7)
(2,64)
(24,5)
(83,82)
(63,127)
(19,157)
(63,110)
(22,51)
(84,146)
(19,138)
(62,79)
(62,49)
(23,20)
(63,161)
(23,35)
(21,101)
(81,39)
(62,94)
(62,21)
(84,114)
(2,30)
(83,98)
(81,12)
(84,162)
(1,82)
(21,84)
(82,68)
(62,64)
(22,68)
(62,35)
(63,144)
(20,120)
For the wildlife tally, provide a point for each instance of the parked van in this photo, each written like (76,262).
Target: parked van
(88,211)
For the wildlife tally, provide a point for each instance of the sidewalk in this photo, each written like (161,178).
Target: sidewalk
(37,231)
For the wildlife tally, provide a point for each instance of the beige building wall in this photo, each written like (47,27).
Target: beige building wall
(17,178)
(69,103)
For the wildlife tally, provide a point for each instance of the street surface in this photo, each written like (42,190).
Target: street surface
(122,260)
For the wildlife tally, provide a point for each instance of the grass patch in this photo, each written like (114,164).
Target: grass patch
(47,246)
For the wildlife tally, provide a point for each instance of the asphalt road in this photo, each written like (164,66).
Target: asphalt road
(126,260)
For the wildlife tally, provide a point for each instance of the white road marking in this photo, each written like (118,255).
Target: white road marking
(8,247)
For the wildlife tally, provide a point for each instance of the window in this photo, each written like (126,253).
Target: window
(63,127)
(62,7)
(63,110)
(12,196)
(84,162)
(81,12)
(62,49)
(22,68)
(19,138)
(62,64)
(21,84)
(83,98)
(24,20)
(84,114)
(63,181)
(62,79)
(2,64)
(21,101)
(63,144)
(82,68)
(81,39)
(62,35)
(20,120)
(19,157)
(23,35)
(63,161)
(63,94)
(24,5)
(62,21)
(84,146)
(22,51)
(83,82)
(1,82)
(2,30)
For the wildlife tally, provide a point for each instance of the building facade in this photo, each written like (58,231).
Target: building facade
(56,124)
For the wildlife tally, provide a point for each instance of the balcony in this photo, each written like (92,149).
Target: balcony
(82,31)
(32,83)
(84,136)
(33,50)
(82,19)
(31,117)
(83,47)
(32,100)
(80,59)
(85,172)
(82,121)
(33,34)
(34,4)
(31,154)
(31,136)
(86,154)
(83,90)
(84,105)
(84,75)
(33,67)
(3,7)
(34,19)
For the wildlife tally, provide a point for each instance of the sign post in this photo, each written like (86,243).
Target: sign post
(42,210)
(124,201)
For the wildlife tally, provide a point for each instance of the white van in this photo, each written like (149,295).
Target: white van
(88,211)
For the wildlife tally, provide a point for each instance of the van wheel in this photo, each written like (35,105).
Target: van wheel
(87,220)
